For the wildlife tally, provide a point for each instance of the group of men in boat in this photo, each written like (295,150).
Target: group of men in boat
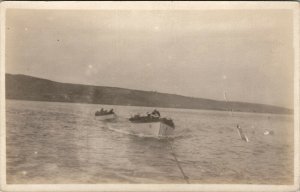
(154,116)
(104,112)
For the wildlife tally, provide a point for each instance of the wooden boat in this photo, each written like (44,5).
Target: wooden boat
(151,126)
(105,115)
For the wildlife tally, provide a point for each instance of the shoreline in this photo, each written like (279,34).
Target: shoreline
(178,108)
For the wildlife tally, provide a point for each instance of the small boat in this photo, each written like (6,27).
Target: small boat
(152,125)
(105,115)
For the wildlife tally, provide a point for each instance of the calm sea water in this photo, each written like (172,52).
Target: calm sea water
(49,142)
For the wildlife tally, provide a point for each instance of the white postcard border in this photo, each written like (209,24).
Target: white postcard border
(150,6)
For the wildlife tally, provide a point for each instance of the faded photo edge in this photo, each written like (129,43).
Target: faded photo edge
(151,187)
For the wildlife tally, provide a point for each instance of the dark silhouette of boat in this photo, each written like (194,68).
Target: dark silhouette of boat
(105,114)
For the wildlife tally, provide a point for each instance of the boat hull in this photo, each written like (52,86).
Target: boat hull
(106,117)
(154,129)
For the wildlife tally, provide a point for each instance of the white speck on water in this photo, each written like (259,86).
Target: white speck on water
(26,29)
(24,172)
(224,77)
(90,66)
(156,28)
(35,152)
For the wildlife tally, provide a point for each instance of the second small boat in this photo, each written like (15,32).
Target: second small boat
(105,115)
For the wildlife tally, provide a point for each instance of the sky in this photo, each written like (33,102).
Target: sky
(199,53)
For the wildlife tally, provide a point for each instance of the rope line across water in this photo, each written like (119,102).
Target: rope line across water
(185,177)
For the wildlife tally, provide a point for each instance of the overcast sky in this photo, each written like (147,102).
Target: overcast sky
(246,53)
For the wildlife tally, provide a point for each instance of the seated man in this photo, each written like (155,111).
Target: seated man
(155,113)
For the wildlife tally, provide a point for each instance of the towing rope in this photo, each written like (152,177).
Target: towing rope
(186,178)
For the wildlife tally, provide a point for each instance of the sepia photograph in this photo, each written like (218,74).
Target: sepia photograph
(149,96)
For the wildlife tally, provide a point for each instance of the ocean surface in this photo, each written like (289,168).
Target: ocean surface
(63,143)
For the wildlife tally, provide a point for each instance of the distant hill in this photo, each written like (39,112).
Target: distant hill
(22,87)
